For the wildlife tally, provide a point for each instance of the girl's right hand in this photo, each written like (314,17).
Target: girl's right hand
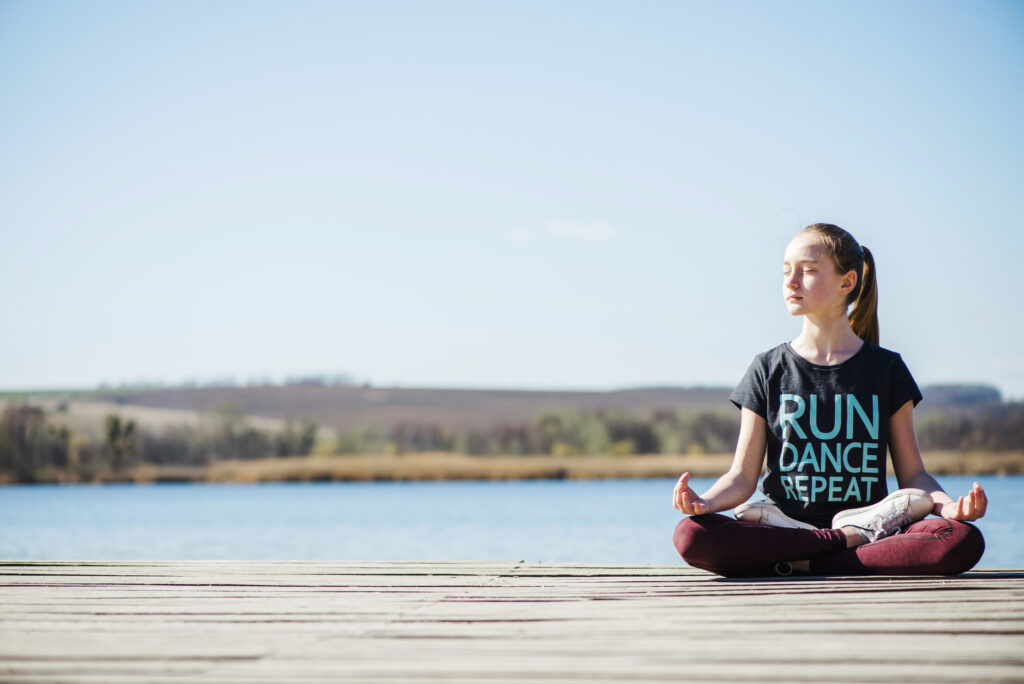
(685,500)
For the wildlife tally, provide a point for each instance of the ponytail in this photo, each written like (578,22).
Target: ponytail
(849,255)
(864,317)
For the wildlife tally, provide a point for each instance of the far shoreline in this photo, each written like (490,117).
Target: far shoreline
(441,466)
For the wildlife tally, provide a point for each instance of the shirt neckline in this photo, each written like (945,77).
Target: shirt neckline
(817,366)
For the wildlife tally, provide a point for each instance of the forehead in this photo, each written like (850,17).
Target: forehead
(804,247)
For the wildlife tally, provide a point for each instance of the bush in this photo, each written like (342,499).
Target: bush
(28,445)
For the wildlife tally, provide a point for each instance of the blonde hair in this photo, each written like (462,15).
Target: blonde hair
(849,255)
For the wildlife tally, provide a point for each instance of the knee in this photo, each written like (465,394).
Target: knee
(967,548)
(690,538)
(958,546)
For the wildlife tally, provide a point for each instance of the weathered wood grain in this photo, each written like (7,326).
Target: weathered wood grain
(497,622)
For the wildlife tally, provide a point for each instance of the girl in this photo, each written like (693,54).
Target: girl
(825,407)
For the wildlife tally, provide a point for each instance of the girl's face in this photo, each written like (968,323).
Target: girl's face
(811,283)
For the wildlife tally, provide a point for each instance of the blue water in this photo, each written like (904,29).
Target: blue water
(604,521)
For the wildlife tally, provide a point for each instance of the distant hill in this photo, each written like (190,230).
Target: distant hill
(459,409)
(341,407)
(959,398)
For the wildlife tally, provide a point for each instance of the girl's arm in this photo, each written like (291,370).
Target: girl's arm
(739,483)
(910,471)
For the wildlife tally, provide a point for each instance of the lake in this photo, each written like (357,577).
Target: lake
(589,521)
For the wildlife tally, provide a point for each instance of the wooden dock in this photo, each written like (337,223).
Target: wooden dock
(497,622)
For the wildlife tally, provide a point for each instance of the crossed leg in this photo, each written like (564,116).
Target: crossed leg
(735,548)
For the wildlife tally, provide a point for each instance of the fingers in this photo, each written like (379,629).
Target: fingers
(684,493)
(688,502)
(976,503)
(684,499)
(972,506)
(982,500)
(693,504)
(677,493)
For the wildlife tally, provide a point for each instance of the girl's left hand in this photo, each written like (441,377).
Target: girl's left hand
(970,507)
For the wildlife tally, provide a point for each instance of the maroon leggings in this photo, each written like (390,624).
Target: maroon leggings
(734,548)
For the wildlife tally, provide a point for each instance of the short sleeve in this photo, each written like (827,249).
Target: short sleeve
(902,387)
(752,390)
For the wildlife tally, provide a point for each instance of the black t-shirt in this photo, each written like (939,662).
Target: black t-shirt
(828,427)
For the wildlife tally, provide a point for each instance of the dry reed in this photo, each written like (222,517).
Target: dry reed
(450,466)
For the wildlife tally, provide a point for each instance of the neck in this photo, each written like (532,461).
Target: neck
(827,339)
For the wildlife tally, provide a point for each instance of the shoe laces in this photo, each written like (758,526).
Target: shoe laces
(887,520)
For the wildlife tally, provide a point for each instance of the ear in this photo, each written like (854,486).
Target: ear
(849,282)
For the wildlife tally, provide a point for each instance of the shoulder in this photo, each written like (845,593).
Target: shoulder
(880,351)
(771,357)
(766,365)
(752,390)
(880,356)
(888,368)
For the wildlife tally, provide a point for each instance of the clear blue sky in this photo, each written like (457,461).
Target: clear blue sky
(511,194)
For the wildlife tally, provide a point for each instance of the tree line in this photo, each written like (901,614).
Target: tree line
(559,432)
(32,448)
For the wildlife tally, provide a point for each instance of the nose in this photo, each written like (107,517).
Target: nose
(790,279)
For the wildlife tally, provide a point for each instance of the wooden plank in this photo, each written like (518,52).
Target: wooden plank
(497,622)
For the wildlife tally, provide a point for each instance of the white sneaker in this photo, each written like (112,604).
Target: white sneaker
(767,513)
(899,509)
